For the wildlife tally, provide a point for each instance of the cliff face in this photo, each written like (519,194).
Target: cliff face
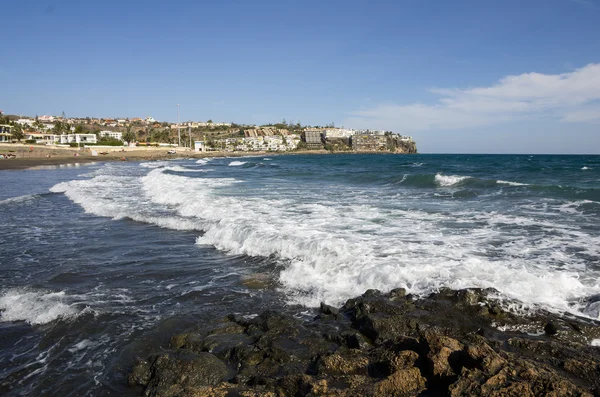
(401,145)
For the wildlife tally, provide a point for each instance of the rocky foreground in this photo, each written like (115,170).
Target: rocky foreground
(456,343)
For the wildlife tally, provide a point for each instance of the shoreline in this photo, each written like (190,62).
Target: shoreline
(47,157)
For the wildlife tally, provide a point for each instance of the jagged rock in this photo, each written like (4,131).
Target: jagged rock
(174,372)
(457,343)
(140,374)
(344,363)
(405,382)
(329,310)
(444,354)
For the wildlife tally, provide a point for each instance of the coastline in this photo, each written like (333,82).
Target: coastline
(42,157)
(49,157)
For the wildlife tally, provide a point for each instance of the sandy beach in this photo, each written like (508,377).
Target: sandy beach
(36,156)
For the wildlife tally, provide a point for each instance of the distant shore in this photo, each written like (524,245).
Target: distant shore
(49,156)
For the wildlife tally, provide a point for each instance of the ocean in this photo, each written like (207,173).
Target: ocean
(100,264)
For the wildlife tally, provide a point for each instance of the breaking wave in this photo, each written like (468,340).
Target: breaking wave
(335,248)
(34,307)
(449,180)
(20,199)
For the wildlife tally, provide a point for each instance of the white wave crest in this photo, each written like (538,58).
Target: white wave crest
(501,182)
(178,168)
(449,180)
(120,197)
(19,199)
(574,207)
(237,163)
(34,307)
(203,161)
(336,248)
(585,168)
(154,164)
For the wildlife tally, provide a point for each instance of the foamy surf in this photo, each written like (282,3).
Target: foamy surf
(34,307)
(237,163)
(19,199)
(337,248)
(449,180)
(500,182)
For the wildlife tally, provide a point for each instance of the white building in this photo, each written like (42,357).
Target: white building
(273,143)
(200,146)
(337,133)
(112,134)
(42,138)
(5,134)
(28,122)
(78,138)
(48,119)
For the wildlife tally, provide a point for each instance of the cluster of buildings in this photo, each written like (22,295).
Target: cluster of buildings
(199,124)
(265,138)
(271,143)
(313,138)
(47,122)
(64,139)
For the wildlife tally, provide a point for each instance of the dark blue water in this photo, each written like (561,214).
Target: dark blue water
(102,263)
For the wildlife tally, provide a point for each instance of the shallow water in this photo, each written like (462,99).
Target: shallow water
(102,263)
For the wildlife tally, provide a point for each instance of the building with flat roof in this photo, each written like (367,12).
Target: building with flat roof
(112,134)
(313,138)
(369,143)
(78,138)
(5,134)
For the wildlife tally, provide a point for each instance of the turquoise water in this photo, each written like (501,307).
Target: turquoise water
(102,263)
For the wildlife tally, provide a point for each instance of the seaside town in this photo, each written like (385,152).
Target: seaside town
(100,135)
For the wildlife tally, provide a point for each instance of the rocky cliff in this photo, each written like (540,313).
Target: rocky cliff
(399,145)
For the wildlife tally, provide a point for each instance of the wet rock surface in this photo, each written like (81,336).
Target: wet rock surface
(452,343)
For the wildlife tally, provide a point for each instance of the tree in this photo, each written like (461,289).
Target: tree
(58,128)
(18,132)
(209,121)
(79,129)
(129,136)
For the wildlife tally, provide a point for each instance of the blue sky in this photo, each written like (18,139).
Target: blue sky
(480,76)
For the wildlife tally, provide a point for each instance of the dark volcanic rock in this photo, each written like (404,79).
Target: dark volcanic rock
(456,343)
(170,374)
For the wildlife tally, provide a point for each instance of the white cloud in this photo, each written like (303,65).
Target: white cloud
(568,97)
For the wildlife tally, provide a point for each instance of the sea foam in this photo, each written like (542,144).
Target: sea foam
(336,249)
(449,180)
(500,182)
(34,307)
(19,199)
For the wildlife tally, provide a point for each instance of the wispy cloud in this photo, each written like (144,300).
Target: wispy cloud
(568,97)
